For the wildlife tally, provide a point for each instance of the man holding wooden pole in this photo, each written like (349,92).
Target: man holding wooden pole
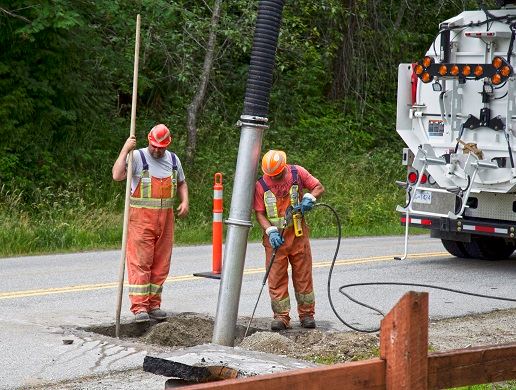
(157,176)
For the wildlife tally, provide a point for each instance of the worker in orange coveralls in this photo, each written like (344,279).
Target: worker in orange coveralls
(282,186)
(157,177)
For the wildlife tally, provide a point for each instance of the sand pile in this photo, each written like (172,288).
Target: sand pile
(183,330)
(268,342)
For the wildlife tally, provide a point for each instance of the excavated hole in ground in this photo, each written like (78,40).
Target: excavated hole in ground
(318,345)
(190,329)
(178,330)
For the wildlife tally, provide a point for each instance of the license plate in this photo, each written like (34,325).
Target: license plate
(424,197)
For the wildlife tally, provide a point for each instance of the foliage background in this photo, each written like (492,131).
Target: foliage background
(65,93)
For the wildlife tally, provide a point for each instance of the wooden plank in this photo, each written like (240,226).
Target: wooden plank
(472,366)
(404,343)
(366,374)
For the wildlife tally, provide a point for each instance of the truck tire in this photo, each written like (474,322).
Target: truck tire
(489,248)
(496,248)
(474,249)
(456,248)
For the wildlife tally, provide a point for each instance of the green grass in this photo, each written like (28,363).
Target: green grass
(511,385)
(78,218)
(86,213)
(53,226)
(65,220)
(325,359)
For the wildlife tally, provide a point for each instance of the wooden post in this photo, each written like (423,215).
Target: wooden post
(132,131)
(404,343)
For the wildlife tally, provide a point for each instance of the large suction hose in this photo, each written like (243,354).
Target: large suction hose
(253,122)
(263,54)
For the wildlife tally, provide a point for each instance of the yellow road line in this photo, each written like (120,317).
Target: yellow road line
(184,278)
(372,259)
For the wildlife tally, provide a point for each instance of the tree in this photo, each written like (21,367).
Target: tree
(198,99)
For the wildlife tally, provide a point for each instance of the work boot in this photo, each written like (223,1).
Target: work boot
(157,314)
(277,325)
(141,316)
(308,322)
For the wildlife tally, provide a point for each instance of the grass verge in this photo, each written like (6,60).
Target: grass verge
(83,217)
(511,385)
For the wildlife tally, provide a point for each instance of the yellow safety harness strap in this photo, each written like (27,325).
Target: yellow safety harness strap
(270,202)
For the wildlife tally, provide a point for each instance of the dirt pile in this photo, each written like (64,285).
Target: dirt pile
(182,330)
(188,329)
(315,345)
(323,346)
(269,342)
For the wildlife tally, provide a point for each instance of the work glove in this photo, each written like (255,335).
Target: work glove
(307,203)
(275,238)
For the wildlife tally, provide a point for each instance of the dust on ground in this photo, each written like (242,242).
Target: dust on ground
(321,346)
(315,345)
(496,327)
(330,346)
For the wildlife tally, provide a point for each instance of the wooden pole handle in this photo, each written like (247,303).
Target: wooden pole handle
(128,181)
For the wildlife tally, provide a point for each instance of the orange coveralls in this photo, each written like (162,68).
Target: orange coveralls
(297,252)
(149,241)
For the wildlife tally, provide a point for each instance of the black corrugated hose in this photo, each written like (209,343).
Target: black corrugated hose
(263,55)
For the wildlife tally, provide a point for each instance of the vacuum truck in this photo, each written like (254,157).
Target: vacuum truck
(456,113)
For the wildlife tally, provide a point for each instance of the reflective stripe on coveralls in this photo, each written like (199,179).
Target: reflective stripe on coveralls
(297,251)
(144,289)
(150,237)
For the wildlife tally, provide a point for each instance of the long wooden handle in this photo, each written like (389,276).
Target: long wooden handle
(128,182)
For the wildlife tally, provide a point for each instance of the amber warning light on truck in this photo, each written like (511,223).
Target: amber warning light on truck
(498,71)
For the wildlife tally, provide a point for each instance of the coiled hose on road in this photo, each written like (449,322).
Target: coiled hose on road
(343,287)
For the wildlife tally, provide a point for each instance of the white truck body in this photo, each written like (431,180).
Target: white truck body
(460,133)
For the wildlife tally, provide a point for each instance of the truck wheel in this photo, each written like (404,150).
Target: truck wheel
(495,248)
(455,248)
(474,249)
(489,248)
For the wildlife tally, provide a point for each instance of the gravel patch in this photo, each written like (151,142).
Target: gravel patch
(269,342)
(183,330)
(314,345)
(497,327)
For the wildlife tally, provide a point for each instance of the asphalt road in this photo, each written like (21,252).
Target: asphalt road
(43,298)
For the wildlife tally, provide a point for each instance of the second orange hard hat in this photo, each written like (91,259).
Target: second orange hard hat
(159,136)
(273,162)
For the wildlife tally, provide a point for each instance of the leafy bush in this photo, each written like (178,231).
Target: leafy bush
(65,100)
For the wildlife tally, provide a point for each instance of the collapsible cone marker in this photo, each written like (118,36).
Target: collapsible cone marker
(216,230)
(217,224)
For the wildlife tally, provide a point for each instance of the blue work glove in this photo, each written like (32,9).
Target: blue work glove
(307,203)
(275,238)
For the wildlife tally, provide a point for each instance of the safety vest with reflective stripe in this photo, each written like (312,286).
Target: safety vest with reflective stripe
(145,199)
(269,199)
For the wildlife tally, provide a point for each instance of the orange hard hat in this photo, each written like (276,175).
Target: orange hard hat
(159,136)
(273,162)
